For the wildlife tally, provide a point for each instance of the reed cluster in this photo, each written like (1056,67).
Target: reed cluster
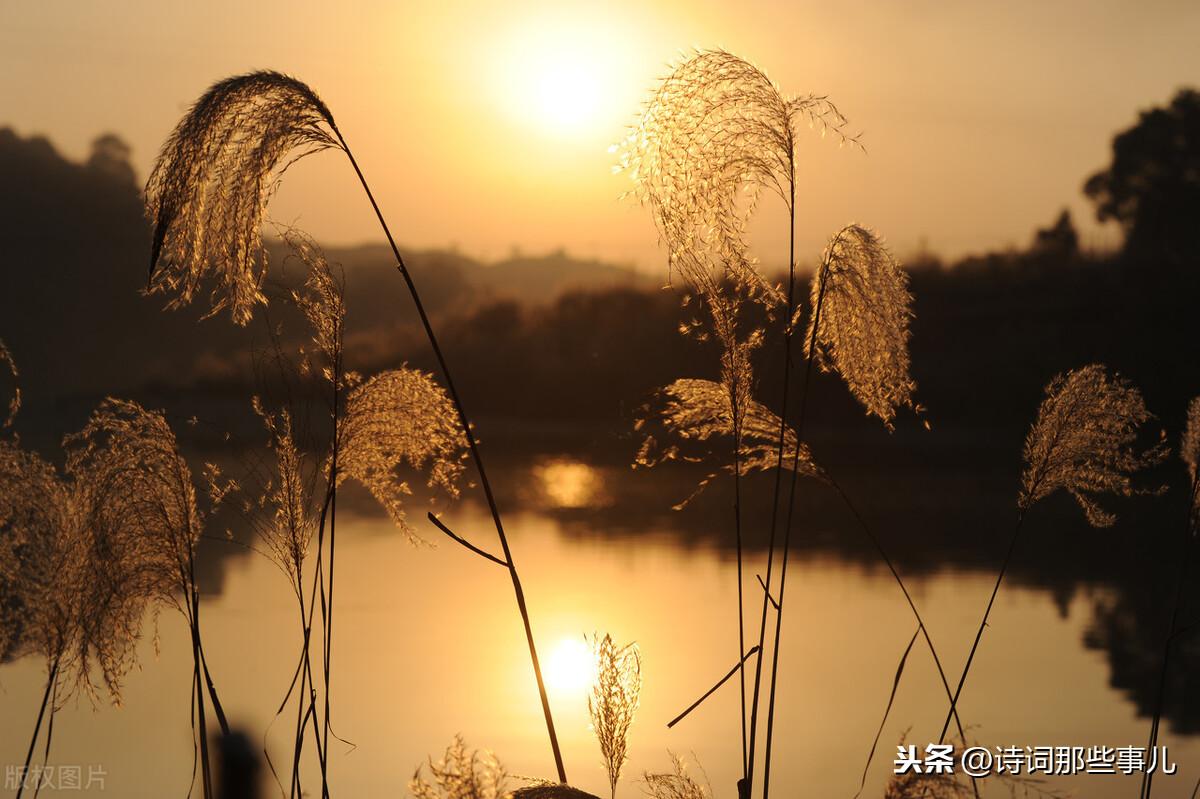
(90,548)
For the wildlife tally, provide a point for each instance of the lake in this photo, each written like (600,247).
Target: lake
(428,644)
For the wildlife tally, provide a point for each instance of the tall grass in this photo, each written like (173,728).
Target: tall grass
(614,701)
(714,136)
(207,197)
(1083,441)
(399,418)
(145,510)
(85,552)
(461,773)
(675,784)
(41,575)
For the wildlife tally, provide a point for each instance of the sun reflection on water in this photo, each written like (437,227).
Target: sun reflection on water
(564,483)
(570,669)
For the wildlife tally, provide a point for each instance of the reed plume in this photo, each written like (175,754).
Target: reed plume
(714,136)
(1189,450)
(461,773)
(14,402)
(145,506)
(323,303)
(676,784)
(401,418)
(614,701)
(911,785)
(41,577)
(694,411)
(67,593)
(213,178)
(284,515)
(1189,445)
(206,198)
(1084,441)
(862,329)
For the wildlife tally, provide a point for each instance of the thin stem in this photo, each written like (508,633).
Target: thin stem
(712,690)
(202,731)
(441,526)
(37,727)
(783,415)
(937,661)
(37,789)
(1184,557)
(475,456)
(774,604)
(983,623)
(333,481)
(787,535)
(737,526)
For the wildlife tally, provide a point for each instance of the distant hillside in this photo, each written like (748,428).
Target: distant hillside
(75,246)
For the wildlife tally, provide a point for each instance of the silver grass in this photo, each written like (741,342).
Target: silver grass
(861,329)
(1084,441)
(213,179)
(73,586)
(677,784)
(14,402)
(322,300)
(285,517)
(398,418)
(1189,445)
(146,496)
(207,197)
(461,774)
(912,785)
(614,701)
(41,555)
(695,411)
(711,138)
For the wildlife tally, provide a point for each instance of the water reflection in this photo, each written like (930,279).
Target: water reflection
(428,646)
(565,483)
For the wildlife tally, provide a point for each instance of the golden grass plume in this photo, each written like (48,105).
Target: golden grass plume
(614,701)
(1084,441)
(396,418)
(862,331)
(693,411)
(209,188)
(461,773)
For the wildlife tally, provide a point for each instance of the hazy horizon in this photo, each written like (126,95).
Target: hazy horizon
(505,116)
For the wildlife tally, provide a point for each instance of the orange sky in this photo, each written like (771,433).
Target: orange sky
(486,125)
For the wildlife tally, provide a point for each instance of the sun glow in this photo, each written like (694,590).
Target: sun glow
(562,78)
(570,668)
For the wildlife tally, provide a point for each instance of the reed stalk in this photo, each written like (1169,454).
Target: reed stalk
(37,727)
(473,447)
(1084,441)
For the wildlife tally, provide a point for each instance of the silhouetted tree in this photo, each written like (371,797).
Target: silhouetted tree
(110,155)
(1059,241)
(1152,187)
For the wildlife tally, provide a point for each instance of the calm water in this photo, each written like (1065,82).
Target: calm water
(429,644)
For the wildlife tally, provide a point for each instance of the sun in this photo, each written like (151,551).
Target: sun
(561,77)
(570,668)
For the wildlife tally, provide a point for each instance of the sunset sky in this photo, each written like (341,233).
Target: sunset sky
(486,126)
